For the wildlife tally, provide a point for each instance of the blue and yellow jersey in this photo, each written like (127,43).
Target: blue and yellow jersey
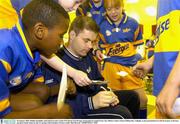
(97,13)
(10,11)
(120,41)
(18,65)
(167,45)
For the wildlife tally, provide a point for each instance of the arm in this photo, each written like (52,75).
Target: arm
(141,69)
(170,91)
(79,77)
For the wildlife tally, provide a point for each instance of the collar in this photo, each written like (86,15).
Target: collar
(92,5)
(71,55)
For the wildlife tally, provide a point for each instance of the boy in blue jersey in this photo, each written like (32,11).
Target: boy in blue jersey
(9,12)
(120,35)
(43,25)
(92,8)
(166,59)
(93,101)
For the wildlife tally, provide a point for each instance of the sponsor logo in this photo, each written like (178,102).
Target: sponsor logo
(88,70)
(162,27)
(126,30)
(16,81)
(108,33)
(118,49)
(29,75)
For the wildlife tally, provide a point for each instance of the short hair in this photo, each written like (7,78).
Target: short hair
(47,12)
(113,3)
(83,22)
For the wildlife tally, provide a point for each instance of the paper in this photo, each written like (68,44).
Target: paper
(105,57)
(122,73)
(176,107)
(99,82)
(62,89)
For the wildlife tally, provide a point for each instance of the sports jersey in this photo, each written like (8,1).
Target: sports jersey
(97,13)
(10,11)
(119,41)
(167,45)
(18,65)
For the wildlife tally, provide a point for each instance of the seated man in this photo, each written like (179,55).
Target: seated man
(93,101)
(43,25)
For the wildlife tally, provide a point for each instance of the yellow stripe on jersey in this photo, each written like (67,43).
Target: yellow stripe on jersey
(6,65)
(8,15)
(4,104)
(81,11)
(39,80)
(24,39)
(169,29)
(137,42)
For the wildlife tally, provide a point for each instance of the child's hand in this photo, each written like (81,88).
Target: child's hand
(71,90)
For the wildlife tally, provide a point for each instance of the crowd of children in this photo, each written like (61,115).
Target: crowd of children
(101,31)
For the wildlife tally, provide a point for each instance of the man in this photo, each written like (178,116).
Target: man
(43,25)
(93,101)
(9,15)
(166,59)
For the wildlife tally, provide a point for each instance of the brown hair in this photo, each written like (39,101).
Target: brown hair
(113,3)
(83,22)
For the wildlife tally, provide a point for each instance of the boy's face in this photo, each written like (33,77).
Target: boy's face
(114,13)
(81,44)
(52,39)
(70,5)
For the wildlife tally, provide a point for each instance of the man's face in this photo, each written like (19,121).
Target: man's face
(70,5)
(52,39)
(114,13)
(81,44)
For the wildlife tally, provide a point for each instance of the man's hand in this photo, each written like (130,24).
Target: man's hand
(104,99)
(81,78)
(166,99)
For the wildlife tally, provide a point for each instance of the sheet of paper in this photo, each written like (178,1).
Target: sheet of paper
(122,73)
(176,107)
(105,57)
(62,89)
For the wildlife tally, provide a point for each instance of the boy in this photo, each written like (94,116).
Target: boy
(166,59)
(43,25)
(92,8)
(9,15)
(93,101)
